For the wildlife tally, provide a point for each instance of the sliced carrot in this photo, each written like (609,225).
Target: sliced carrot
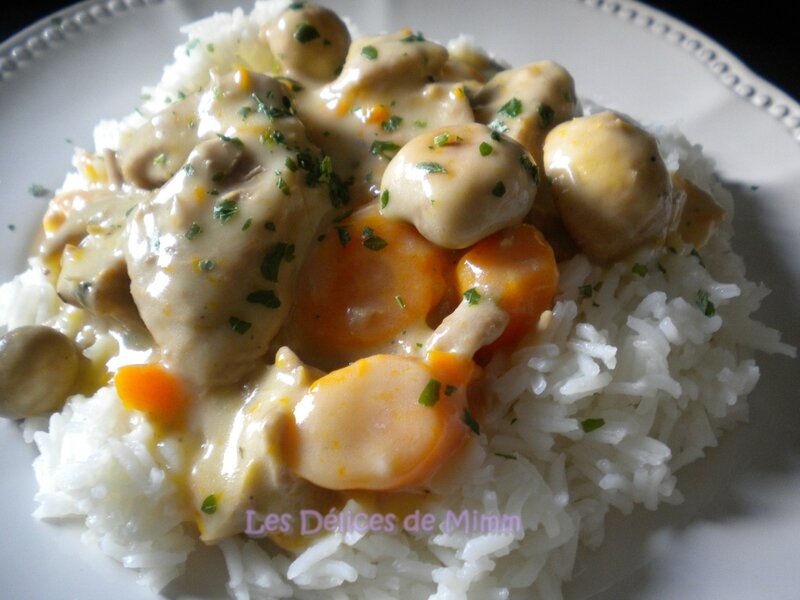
(382,423)
(366,281)
(153,390)
(517,269)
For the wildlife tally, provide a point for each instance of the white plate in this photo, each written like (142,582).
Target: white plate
(736,535)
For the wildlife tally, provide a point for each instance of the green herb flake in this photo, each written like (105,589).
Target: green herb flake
(160,160)
(271,263)
(470,422)
(369,52)
(384,198)
(705,304)
(281,184)
(586,290)
(305,33)
(218,176)
(639,269)
(231,140)
(193,231)
(210,47)
(499,126)
(589,425)
(384,149)
(343,233)
(191,45)
(392,123)
(238,325)
(499,189)
(371,241)
(400,301)
(226,210)
(546,115)
(431,167)
(245,112)
(442,139)
(507,456)
(247,224)
(290,164)
(296,5)
(266,298)
(209,505)
(512,108)
(38,191)
(206,265)
(420,124)
(529,167)
(472,296)
(414,37)
(189,170)
(495,135)
(430,393)
(485,149)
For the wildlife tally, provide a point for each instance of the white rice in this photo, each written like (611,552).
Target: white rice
(639,353)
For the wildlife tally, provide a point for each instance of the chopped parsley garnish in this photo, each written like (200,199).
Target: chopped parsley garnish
(640,269)
(238,325)
(206,265)
(305,33)
(266,298)
(343,233)
(472,296)
(508,456)
(430,393)
(189,170)
(296,5)
(546,115)
(193,231)
(499,126)
(160,160)
(273,112)
(470,422)
(586,290)
(431,167)
(218,176)
(589,425)
(499,189)
(495,135)
(209,505)
(512,108)
(705,304)
(280,182)
(371,241)
(420,124)
(231,140)
(271,263)
(529,167)
(191,45)
(226,210)
(441,139)
(414,37)
(290,164)
(400,301)
(392,123)
(384,198)
(38,191)
(210,48)
(247,224)
(485,149)
(369,52)
(384,149)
